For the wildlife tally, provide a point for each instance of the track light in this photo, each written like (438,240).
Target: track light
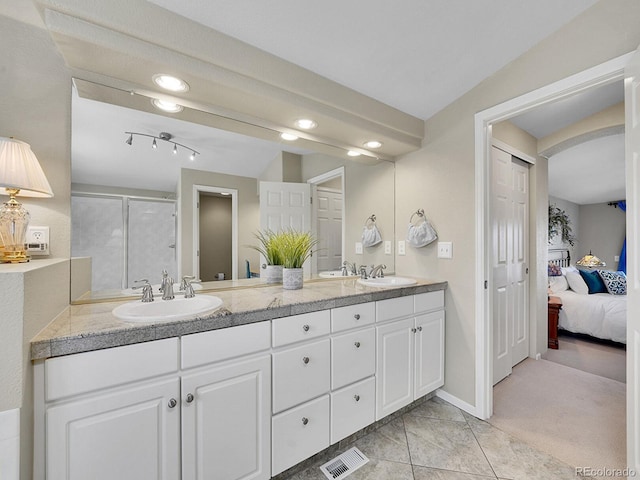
(166,137)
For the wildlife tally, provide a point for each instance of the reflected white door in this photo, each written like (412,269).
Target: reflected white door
(328,204)
(509,262)
(632,133)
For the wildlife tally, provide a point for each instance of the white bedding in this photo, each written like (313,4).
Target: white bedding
(600,315)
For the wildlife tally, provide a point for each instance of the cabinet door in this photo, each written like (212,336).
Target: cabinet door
(129,434)
(226,421)
(394,375)
(429,353)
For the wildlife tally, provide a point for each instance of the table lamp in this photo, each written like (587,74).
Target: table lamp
(20,174)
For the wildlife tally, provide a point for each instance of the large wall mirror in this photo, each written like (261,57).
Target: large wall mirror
(143,203)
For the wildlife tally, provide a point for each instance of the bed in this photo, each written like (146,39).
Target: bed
(600,315)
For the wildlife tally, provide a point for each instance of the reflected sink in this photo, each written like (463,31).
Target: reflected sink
(167,310)
(387,282)
(333,274)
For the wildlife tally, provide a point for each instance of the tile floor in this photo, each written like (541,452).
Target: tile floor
(437,441)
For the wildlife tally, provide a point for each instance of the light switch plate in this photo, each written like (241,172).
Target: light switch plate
(401,248)
(445,250)
(358,248)
(387,247)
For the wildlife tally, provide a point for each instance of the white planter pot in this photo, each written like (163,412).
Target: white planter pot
(272,273)
(292,278)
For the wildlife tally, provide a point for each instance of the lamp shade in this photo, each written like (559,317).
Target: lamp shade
(590,261)
(19,169)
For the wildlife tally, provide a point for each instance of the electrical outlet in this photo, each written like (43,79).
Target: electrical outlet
(445,250)
(358,248)
(38,240)
(387,247)
(401,248)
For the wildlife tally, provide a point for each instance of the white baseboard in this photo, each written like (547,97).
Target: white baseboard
(455,401)
(10,444)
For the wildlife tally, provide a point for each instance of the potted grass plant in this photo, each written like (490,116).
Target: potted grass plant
(269,246)
(296,248)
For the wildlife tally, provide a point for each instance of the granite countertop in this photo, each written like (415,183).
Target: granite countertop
(83,328)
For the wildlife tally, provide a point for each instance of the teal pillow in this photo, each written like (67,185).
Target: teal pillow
(593,281)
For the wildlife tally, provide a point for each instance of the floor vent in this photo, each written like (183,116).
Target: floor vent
(344,464)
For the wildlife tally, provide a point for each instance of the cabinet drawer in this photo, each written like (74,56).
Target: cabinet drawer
(353,357)
(353,316)
(299,433)
(425,302)
(352,409)
(300,373)
(394,308)
(86,372)
(214,346)
(296,328)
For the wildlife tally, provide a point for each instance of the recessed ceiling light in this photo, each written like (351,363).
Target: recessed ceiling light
(289,137)
(225,193)
(171,83)
(166,106)
(373,144)
(353,153)
(306,123)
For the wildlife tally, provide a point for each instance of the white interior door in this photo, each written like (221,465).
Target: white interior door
(328,204)
(285,205)
(632,132)
(509,261)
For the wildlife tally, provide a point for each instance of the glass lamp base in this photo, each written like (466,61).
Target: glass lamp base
(13,256)
(14,220)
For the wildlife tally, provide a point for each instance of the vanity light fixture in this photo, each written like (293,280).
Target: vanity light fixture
(306,123)
(353,153)
(372,144)
(166,106)
(171,83)
(165,137)
(290,137)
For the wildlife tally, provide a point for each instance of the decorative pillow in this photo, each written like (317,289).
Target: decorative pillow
(593,281)
(558,284)
(568,269)
(616,282)
(554,270)
(577,283)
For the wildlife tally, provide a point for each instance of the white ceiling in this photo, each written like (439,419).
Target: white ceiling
(415,55)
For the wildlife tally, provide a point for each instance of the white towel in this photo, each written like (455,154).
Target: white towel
(370,236)
(421,235)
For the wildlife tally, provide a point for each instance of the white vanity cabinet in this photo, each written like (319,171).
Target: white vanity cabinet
(114,413)
(192,407)
(410,349)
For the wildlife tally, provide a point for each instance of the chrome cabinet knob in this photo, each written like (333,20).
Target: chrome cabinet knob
(357,344)
(357,316)
(413,330)
(356,398)
(305,420)
(419,329)
(172,403)
(190,397)
(305,328)
(305,360)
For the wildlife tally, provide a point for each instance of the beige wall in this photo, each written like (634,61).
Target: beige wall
(215,237)
(248,214)
(602,231)
(440,176)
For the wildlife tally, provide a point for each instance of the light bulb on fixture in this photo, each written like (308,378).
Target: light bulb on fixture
(154,145)
(129,140)
(192,156)
(175,149)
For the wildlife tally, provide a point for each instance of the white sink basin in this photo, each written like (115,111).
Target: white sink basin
(167,310)
(333,274)
(387,282)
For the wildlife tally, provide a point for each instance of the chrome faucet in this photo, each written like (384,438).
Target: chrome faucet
(377,271)
(166,287)
(147,290)
(187,287)
(348,268)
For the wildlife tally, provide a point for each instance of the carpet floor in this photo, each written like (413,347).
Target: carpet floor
(576,416)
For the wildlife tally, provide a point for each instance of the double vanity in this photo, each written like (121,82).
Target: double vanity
(268,379)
